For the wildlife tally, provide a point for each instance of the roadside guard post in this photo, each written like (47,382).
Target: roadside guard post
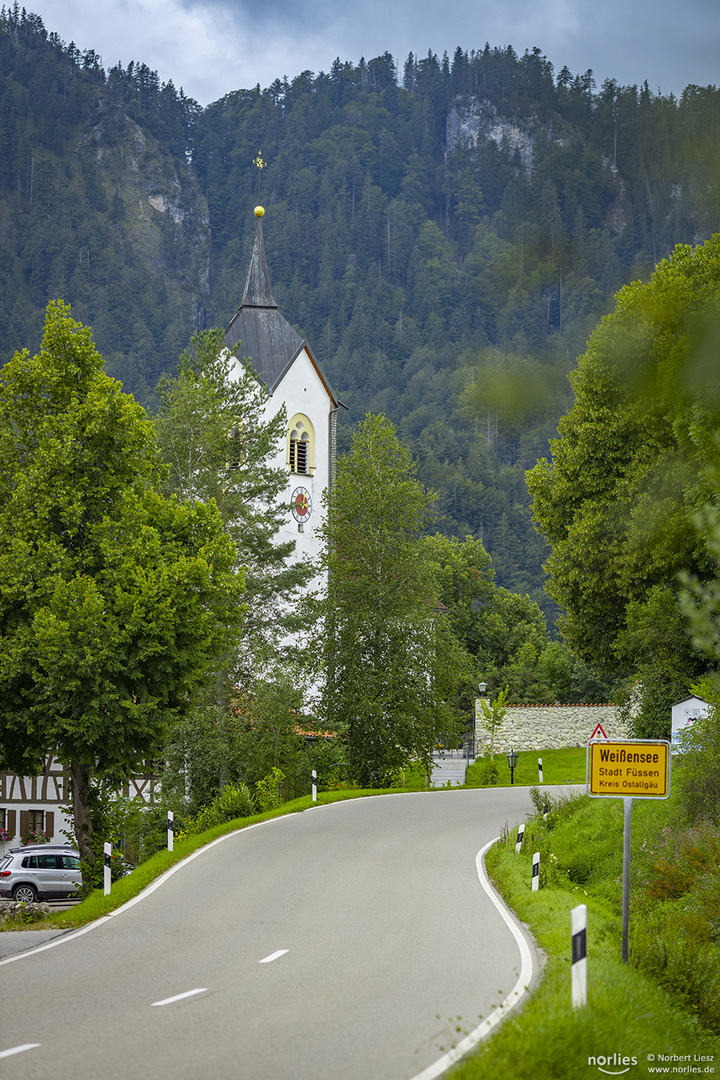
(632,769)
(578,929)
(170,830)
(107,872)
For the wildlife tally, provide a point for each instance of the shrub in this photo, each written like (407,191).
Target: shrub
(234,801)
(269,789)
(699,772)
(487,772)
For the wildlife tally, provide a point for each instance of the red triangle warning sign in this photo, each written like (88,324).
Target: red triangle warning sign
(599,733)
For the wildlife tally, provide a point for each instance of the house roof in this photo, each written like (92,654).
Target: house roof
(268,340)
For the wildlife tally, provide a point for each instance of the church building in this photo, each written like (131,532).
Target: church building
(285,363)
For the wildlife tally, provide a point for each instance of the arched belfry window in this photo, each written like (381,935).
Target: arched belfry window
(300,445)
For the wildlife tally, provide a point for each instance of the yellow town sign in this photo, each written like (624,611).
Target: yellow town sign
(632,769)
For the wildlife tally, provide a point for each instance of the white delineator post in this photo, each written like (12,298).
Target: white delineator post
(540,772)
(578,925)
(536,872)
(314,785)
(520,835)
(107,877)
(171,830)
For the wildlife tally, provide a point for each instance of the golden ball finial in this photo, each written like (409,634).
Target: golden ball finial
(259,211)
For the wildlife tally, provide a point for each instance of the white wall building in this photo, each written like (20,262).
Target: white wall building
(685,713)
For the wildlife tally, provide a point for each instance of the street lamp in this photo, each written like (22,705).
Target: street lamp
(482,687)
(512,760)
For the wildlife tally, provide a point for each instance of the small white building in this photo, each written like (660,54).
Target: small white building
(685,713)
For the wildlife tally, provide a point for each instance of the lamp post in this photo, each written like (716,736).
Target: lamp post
(512,760)
(482,687)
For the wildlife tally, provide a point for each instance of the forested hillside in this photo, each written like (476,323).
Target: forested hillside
(446,236)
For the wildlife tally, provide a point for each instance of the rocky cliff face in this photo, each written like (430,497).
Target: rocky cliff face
(160,210)
(474,122)
(116,224)
(471,120)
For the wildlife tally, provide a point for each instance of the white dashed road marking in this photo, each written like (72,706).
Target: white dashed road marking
(179,997)
(18,1049)
(273,956)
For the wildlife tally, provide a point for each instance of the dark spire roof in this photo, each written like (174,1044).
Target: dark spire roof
(266,338)
(258,290)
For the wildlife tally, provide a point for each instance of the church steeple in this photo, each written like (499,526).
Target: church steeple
(258,290)
(264,337)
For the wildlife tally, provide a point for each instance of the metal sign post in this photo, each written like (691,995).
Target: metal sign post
(627,837)
(633,769)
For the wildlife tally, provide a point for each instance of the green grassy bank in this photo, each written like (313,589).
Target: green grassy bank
(559,767)
(661,1011)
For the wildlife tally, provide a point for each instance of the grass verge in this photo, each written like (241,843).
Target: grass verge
(627,1015)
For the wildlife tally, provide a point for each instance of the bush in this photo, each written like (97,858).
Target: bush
(487,772)
(269,790)
(234,801)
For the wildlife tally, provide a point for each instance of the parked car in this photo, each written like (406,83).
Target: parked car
(40,872)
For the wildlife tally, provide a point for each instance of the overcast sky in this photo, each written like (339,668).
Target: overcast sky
(210,47)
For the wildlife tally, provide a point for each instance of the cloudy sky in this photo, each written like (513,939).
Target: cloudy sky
(210,47)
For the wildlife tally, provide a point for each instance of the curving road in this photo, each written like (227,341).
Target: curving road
(351,941)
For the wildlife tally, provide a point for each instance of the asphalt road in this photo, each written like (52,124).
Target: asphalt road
(350,942)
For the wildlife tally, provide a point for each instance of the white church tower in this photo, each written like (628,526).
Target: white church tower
(284,362)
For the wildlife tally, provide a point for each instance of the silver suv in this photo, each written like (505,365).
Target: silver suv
(40,872)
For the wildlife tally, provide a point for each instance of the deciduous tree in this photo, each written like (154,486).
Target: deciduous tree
(114,601)
(629,474)
(385,641)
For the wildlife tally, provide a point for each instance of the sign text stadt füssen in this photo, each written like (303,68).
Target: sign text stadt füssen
(634,769)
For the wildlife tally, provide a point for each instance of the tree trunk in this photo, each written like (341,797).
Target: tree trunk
(80,778)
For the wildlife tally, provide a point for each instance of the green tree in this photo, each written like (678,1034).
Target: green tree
(492,714)
(214,433)
(384,641)
(114,601)
(629,473)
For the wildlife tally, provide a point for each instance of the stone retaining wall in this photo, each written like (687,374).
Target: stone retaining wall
(549,727)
